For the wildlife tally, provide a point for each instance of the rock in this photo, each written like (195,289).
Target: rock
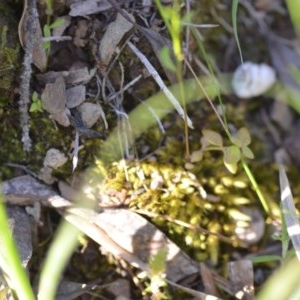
(62,117)
(45,174)
(251,80)
(72,77)
(54,96)
(75,96)
(54,159)
(20,225)
(250,225)
(90,113)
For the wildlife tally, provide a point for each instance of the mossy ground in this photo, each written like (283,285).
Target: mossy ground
(159,179)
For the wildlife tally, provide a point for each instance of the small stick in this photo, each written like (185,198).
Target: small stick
(30,14)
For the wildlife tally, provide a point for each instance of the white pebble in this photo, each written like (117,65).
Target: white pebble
(251,80)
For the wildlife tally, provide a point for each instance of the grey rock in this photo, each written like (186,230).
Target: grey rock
(75,96)
(90,113)
(54,96)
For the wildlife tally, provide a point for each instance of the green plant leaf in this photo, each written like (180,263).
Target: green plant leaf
(247,152)
(46,31)
(196,156)
(213,137)
(204,142)
(244,136)
(36,105)
(266,258)
(10,262)
(65,238)
(49,7)
(57,23)
(166,59)
(234,9)
(241,138)
(232,155)
(232,168)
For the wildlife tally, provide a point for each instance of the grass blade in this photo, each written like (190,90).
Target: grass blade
(234,8)
(10,261)
(61,249)
(289,211)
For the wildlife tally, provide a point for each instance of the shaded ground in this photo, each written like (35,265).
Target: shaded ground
(89,79)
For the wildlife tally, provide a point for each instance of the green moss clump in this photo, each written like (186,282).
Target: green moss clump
(181,198)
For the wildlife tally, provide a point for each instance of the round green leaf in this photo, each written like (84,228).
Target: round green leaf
(247,152)
(232,155)
(204,142)
(196,156)
(213,137)
(242,138)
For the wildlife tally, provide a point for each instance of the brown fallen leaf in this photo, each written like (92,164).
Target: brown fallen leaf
(208,280)
(88,7)
(114,33)
(142,239)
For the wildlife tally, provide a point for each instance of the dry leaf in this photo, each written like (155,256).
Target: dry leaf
(141,238)
(88,7)
(112,37)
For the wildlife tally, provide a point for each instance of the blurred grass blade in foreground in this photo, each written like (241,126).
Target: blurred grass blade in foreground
(289,211)
(10,262)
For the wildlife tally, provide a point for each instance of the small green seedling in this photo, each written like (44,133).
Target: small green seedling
(47,32)
(232,154)
(36,105)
